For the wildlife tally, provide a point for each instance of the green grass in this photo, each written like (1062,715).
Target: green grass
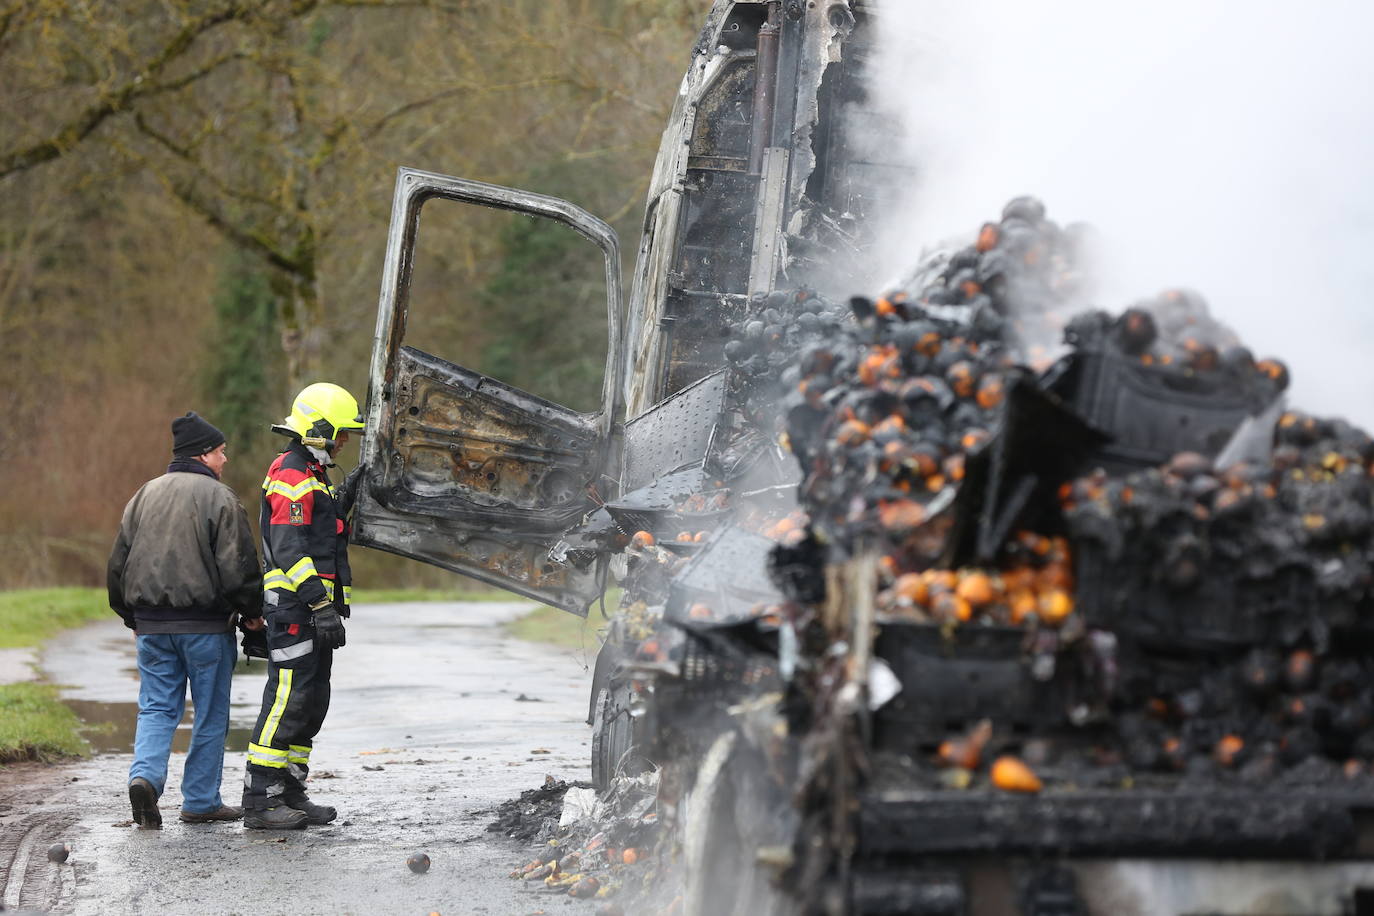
(558,628)
(29,616)
(398,595)
(35,725)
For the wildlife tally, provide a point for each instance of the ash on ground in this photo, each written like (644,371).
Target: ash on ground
(535,813)
(590,846)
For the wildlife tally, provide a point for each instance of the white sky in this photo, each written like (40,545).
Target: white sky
(1220,145)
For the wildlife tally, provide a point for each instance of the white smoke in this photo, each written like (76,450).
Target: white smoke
(1220,145)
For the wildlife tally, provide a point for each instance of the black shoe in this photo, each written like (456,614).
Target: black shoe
(143,799)
(318,815)
(278,818)
(222,813)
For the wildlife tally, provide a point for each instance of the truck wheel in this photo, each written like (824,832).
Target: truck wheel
(725,810)
(612,733)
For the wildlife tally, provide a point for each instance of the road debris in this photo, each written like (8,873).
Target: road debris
(590,846)
(527,817)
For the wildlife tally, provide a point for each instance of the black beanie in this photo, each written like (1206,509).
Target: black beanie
(192,435)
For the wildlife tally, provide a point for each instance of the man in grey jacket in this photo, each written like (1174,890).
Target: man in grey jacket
(183,567)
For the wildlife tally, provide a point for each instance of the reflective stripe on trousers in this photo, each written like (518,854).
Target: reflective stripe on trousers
(294,703)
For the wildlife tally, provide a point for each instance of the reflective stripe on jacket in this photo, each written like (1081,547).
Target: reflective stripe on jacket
(304,541)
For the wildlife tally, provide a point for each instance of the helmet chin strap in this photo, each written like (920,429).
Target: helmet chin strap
(320,448)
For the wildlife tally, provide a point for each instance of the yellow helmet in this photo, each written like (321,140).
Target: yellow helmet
(322,411)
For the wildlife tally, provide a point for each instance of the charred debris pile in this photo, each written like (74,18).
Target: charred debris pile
(1103,553)
(1098,534)
(602,849)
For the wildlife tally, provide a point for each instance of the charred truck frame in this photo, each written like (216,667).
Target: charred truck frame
(756,176)
(762,179)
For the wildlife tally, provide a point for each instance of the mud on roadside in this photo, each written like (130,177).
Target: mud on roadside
(33,818)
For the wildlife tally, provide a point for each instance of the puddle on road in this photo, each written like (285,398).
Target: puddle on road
(111,728)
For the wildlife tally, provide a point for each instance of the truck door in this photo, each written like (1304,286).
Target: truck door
(467,472)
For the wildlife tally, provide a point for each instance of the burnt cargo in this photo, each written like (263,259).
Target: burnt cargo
(1153,412)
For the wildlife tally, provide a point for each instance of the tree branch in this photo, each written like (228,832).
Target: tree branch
(183,152)
(185,192)
(143,83)
(378,125)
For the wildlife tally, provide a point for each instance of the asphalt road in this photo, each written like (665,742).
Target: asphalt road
(437,716)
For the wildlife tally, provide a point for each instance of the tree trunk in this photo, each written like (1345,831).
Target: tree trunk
(302,334)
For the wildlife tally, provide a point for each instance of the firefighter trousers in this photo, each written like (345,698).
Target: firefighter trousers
(294,702)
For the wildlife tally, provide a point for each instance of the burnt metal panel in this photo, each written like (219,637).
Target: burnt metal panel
(1292,822)
(653,507)
(721,127)
(674,434)
(510,561)
(730,574)
(716,231)
(464,443)
(482,479)
(700,324)
(910,892)
(768,240)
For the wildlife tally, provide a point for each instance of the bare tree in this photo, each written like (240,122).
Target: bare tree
(139,132)
(249,113)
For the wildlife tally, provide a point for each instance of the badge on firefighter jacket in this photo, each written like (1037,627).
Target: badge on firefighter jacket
(297,514)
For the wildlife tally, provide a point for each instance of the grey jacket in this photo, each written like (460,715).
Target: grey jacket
(184,560)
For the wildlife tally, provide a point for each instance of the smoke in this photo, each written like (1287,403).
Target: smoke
(1218,145)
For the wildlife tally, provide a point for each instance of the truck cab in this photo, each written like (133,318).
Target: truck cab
(760,178)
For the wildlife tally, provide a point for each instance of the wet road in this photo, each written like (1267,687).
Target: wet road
(437,716)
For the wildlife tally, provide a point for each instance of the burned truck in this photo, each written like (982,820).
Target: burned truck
(754,173)
(757,178)
(969,598)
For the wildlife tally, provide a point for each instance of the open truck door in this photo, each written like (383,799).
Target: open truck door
(464,471)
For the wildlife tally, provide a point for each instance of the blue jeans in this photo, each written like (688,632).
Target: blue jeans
(166,661)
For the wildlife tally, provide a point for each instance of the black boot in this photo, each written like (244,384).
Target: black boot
(318,815)
(279,818)
(143,801)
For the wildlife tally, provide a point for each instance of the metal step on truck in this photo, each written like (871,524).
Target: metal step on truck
(864,549)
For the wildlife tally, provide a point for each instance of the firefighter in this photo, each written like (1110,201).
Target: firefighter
(305,529)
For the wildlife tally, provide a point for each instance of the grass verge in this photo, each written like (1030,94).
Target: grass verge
(29,616)
(558,628)
(35,725)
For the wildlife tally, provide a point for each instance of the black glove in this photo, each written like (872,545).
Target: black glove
(347,492)
(328,625)
(254,644)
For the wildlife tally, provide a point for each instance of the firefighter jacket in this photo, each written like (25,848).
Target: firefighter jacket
(183,561)
(304,538)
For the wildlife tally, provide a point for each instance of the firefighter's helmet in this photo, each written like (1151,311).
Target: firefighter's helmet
(323,410)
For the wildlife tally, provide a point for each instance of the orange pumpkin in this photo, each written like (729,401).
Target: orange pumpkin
(988,237)
(976,587)
(1010,774)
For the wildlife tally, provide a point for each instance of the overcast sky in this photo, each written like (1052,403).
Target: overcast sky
(1220,145)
